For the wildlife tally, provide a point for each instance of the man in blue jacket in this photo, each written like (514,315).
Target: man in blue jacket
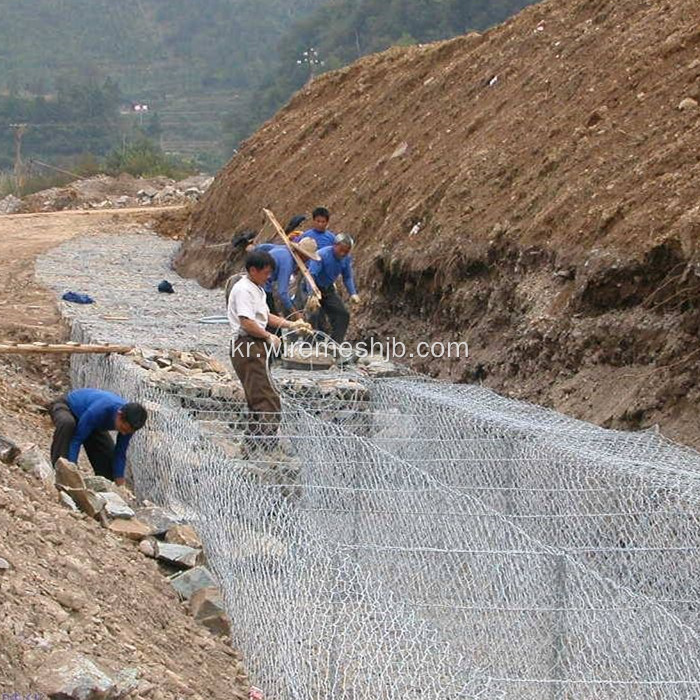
(84,417)
(335,261)
(320,233)
(285,267)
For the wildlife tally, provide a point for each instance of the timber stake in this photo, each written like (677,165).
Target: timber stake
(56,348)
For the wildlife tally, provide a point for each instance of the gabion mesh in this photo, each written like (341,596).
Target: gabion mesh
(409,539)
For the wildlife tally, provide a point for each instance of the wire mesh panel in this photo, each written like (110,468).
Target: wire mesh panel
(408,538)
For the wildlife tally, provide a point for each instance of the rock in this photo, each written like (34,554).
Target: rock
(99,484)
(4,565)
(69,675)
(148,546)
(8,451)
(71,600)
(189,582)
(688,104)
(400,151)
(68,476)
(10,204)
(33,462)
(207,607)
(132,529)
(89,502)
(159,520)
(127,681)
(183,534)
(116,506)
(178,554)
(67,501)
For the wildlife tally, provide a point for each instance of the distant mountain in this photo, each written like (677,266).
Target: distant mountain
(190,61)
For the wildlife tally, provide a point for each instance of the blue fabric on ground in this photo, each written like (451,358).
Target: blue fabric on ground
(76,298)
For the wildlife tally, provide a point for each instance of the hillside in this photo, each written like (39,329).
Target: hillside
(551,170)
(158,52)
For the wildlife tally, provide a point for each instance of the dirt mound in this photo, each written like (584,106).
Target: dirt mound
(124,191)
(532,190)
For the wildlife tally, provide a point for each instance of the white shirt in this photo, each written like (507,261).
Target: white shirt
(247,300)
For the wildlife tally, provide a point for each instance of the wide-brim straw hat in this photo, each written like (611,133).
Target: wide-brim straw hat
(307,248)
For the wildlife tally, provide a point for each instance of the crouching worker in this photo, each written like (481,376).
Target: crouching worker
(249,316)
(84,417)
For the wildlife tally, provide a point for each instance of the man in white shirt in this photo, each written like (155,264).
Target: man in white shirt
(249,317)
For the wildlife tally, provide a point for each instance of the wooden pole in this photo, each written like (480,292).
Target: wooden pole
(19,165)
(297,258)
(9,348)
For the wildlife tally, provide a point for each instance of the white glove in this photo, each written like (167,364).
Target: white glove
(274,340)
(355,298)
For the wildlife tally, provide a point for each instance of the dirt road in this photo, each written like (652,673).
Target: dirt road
(28,312)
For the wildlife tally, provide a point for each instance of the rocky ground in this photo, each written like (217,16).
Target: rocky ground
(107,192)
(532,190)
(72,592)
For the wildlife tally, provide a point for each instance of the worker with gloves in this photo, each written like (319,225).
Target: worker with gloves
(249,317)
(285,267)
(334,261)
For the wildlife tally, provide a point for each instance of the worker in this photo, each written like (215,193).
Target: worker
(249,316)
(335,260)
(285,267)
(320,233)
(84,417)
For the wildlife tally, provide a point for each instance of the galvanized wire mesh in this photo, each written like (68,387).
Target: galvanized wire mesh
(413,539)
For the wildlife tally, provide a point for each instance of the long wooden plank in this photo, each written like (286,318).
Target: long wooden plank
(55,348)
(297,258)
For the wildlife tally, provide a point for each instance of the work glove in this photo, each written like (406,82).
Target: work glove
(301,326)
(274,340)
(313,304)
(355,298)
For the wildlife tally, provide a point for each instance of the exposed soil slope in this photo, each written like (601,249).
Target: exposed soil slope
(73,586)
(533,190)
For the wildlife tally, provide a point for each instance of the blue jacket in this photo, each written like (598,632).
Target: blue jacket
(285,267)
(96,410)
(326,270)
(322,238)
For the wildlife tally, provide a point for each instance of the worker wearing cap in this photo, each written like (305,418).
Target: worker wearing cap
(249,317)
(320,233)
(335,261)
(285,267)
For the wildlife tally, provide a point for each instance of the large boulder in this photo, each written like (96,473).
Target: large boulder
(68,675)
(207,607)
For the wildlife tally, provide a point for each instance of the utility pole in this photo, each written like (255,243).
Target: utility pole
(19,165)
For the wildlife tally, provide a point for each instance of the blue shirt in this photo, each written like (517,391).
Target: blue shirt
(96,410)
(284,269)
(326,270)
(322,238)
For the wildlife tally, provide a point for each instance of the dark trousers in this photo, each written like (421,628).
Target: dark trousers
(99,446)
(249,360)
(335,311)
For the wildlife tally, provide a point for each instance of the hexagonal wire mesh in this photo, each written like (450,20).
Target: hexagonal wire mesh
(407,538)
